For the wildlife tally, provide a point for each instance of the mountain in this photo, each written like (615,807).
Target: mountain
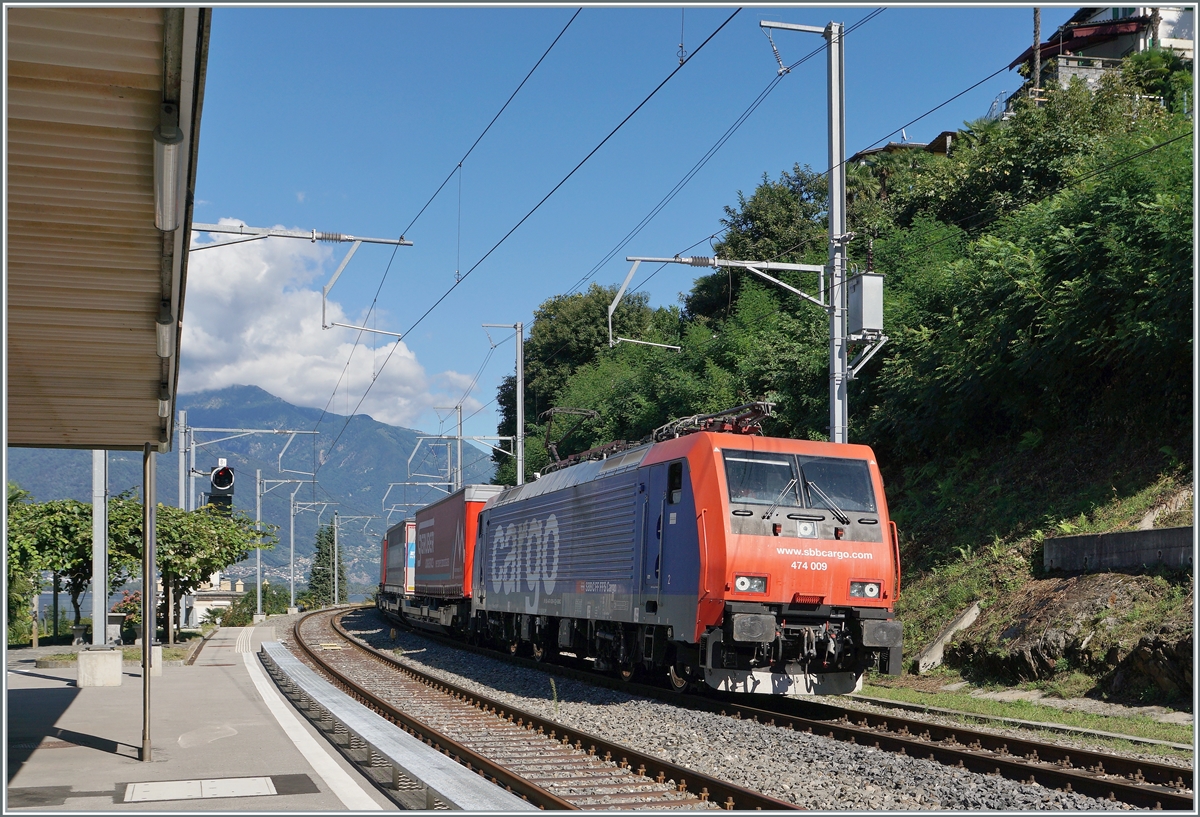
(352,479)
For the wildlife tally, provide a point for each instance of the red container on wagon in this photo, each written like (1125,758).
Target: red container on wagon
(446,542)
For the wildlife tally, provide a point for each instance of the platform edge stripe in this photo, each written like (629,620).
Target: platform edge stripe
(339,782)
(448,780)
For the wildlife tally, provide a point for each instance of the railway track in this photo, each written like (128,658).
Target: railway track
(1137,782)
(552,766)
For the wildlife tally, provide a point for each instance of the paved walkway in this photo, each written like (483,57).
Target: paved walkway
(222,739)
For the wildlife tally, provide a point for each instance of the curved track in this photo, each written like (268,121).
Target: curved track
(550,765)
(1138,782)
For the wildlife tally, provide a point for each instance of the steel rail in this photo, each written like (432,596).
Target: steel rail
(1036,751)
(1095,774)
(728,795)
(472,760)
(1053,768)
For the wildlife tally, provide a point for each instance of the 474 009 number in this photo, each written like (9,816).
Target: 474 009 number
(810,565)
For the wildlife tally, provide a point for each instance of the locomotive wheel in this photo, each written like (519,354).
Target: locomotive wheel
(676,681)
(539,652)
(627,672)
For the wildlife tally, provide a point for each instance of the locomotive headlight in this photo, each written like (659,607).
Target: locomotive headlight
(864,590)
(751,584)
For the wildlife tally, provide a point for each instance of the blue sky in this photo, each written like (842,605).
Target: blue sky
(348,119)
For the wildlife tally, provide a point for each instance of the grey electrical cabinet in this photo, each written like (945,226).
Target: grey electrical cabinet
(864,304)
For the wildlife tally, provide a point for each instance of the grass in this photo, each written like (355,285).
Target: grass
(1135,726)
(128,654)
(169,653)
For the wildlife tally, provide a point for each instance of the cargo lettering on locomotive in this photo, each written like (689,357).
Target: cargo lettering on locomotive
(525,555)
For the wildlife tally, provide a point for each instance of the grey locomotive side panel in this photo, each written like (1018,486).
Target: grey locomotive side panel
(567,553)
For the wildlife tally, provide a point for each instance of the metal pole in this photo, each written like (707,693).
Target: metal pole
(520,327)
(182,459)
(459,482)
(292,549)
(258,529)
(148,540)
(335,558)
(838,407)
(191,499)
(99,548)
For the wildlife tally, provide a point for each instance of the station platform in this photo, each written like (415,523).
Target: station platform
(223,738)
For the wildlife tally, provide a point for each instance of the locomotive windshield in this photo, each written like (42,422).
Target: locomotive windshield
(846,482)
(763,479)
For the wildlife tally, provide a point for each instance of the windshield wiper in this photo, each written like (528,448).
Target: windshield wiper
(778,499)
(838,512)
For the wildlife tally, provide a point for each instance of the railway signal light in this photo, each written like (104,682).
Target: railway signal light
(221,488)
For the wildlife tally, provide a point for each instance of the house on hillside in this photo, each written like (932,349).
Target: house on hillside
(1095,40)
(940,145)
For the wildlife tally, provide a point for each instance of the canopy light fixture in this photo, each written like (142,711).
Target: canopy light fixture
(165,328)
(168,155)
(164,401)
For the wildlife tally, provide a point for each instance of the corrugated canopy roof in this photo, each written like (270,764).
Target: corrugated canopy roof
(87,270)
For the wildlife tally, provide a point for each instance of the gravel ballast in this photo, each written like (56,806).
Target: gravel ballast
(813,772)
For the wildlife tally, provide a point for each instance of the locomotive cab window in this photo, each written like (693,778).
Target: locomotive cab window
(675,483)
(846,484)
(761,479)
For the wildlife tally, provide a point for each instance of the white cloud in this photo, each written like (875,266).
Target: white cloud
(252,316)
(300,196)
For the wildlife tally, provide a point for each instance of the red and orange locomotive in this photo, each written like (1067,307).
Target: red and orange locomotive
(749,563)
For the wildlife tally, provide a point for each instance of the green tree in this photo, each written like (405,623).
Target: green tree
(568,331)
(783,220)
(275,598)
(21,564)
(1163,73)
(320,575)
(189,546)
(1018,161)
(57,537)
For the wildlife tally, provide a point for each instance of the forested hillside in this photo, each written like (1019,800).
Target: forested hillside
(1038,297)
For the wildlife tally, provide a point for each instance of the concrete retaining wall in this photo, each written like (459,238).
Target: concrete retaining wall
(1166,547)
(931,656)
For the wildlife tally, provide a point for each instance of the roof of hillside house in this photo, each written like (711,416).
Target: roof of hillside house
(1077,34)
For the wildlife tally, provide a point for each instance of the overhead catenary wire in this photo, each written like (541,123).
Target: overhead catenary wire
(710,153)
(686,178)
(560,349)
(535,208)
(457,168)
(1071,182)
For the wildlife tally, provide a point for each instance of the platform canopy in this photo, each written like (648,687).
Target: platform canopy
(94,287)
